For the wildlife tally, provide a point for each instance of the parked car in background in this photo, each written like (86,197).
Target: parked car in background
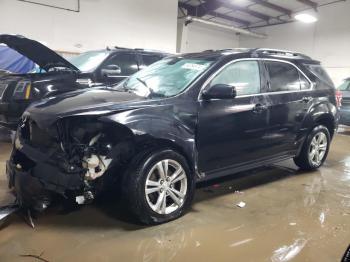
(55,75)
(186,118)
(344,90)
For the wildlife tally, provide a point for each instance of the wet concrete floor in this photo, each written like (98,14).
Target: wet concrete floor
(289,216)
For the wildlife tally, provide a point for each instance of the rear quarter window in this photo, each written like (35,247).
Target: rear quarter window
(320,73)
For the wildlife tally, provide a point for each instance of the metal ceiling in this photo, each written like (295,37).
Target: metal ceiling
(249,14)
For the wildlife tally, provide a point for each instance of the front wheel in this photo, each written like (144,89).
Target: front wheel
(159,186)
(315,149)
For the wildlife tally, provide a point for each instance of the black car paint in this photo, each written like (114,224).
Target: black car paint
(53,82)
(217,137)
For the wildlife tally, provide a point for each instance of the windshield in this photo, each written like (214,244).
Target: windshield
(345,86)
(88,61)
(167,77)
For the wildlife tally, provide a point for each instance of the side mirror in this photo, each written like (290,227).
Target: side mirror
(111,70)
(220,91)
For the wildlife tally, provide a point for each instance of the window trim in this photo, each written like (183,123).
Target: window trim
(257,94)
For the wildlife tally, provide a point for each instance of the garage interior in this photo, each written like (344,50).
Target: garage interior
(274,213)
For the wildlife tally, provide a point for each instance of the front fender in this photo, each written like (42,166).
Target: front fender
(165,123)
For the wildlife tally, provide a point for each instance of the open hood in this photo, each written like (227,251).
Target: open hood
(35,51)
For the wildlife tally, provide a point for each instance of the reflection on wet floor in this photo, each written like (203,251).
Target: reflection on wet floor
(289,216)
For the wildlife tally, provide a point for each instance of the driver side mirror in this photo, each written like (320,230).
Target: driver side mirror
(111,70)
(220,91)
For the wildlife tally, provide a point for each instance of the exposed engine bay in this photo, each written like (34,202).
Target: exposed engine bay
(74,159)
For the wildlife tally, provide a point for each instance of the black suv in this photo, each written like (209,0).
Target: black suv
(56,75)
(186,118)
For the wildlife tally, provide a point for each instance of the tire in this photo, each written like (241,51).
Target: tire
(306,160)
(146,166)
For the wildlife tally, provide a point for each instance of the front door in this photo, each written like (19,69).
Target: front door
(230,131)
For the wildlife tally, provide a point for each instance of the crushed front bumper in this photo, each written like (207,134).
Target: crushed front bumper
(35,186)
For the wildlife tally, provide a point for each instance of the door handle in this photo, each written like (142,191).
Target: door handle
(259,108)
(306,99)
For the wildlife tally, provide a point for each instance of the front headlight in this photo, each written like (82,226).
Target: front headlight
(22,90)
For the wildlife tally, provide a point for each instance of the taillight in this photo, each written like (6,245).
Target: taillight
(338,98)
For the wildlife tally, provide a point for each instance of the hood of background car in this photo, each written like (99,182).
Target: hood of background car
(37,52)
(94,101)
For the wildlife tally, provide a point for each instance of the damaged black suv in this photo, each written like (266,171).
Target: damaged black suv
(184,119)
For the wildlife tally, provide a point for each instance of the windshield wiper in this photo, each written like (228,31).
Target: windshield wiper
(145,84)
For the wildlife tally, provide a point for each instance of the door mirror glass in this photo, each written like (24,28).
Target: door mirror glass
(220,91)
(111,70)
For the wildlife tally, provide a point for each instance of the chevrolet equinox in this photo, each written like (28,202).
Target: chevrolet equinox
(186,118)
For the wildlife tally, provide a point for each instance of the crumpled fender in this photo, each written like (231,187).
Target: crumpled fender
(161,123)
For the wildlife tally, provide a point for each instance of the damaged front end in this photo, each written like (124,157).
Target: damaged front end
(75,158)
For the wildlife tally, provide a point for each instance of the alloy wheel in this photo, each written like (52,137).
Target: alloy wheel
(318,148)
(166,187)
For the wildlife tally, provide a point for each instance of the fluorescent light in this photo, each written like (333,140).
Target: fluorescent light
(306,18)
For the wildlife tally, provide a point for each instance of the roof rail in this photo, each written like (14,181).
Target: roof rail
(278,52)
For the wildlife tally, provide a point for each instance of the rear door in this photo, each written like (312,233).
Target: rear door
(289,97)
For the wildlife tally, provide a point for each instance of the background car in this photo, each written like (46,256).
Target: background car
(54,74)
(344,90)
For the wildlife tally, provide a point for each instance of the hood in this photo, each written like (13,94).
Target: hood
(35,51)
(94,101)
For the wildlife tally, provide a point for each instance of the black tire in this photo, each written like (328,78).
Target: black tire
(303,159)
(134,195)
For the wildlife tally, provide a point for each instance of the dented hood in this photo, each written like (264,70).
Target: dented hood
(94,101)
(35,51)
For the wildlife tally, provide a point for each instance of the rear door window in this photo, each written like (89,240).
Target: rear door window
(283,76)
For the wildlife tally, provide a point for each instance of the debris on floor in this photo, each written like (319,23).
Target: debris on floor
(241,204)
(239,192)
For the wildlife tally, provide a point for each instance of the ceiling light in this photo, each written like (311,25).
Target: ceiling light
(306,18)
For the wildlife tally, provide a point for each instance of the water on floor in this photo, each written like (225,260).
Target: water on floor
(288,216)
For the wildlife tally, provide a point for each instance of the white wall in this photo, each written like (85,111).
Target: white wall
(128,23)
(196,37)
(328,40)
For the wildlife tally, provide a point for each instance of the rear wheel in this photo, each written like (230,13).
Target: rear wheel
(159,186)
(315,149)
